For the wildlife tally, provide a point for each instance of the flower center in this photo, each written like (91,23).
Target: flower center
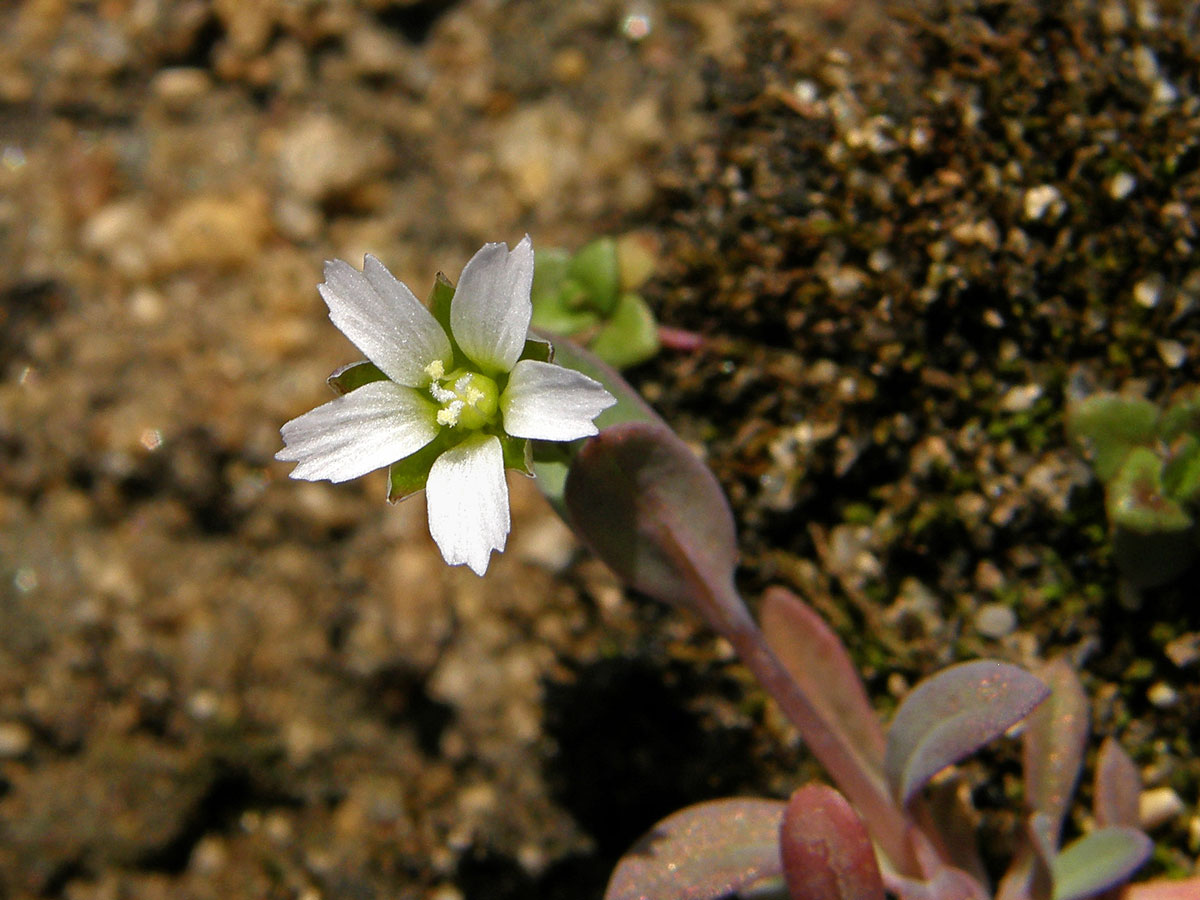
(467,399)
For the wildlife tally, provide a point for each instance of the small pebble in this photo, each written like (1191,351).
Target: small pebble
(1042,200)
(1158,806)
(1172,353)
(1121,185)
(1162,695)
(995,621)
(1021,398)
(15,740)
(1184,650)
(1148,291)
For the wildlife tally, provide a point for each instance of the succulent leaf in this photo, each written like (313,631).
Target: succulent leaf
(595,269)
(1136,499)
(826,851)
(1109,426)
(1117,788)
(950,715)
(704,852)
(654,513)
(817,660)
(1099,860)
(630,336)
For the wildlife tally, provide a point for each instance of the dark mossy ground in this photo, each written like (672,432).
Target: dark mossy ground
(905,269)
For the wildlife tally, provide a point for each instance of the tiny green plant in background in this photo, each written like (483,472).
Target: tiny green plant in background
(591,297)
(1148,459)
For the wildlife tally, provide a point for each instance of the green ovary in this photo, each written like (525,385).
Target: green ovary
(467,399)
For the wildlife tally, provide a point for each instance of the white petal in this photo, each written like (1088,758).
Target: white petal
(367,429)
(551,403)
(384,320)
(468,502)
(490,312)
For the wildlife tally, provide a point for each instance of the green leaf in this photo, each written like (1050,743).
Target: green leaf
(549,273)
(1182,416)
(1097,861)
(630,336)
(1109,426)
(1181,475)
(594,267)
(1136,499)
(355,375)
(636,260)
(552,313)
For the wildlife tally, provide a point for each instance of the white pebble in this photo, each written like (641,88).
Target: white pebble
(1158,806)
(1121,185)
(1043,199)
(995,620)
(1148,291)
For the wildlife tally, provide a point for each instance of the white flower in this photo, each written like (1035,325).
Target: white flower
(463,394)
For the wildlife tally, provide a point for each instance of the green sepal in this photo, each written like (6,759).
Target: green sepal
(439,301)
(537,349)
(1181,474)
(1110,426)
(518,453)
(630,336)
(1136,500)
(408,476)
(354,375)
(595,268)
(551,461)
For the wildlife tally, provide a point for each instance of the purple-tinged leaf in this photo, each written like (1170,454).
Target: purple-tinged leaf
(1104,858)
(1055,735)
(1118,786)
(706,851)
(817,660)
(946,884)
(1186,889)
(1029,876)
(552,460)
(827,853)
(654,513)
(950,715)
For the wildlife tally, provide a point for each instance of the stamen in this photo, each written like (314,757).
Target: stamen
(449,415)
(467,399)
